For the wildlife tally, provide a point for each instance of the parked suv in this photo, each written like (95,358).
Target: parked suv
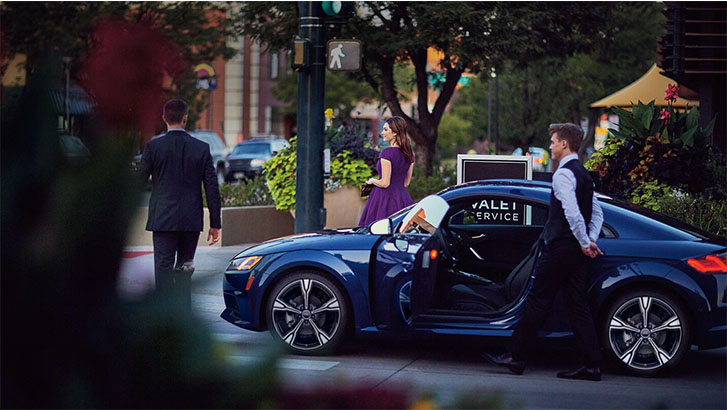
(217,149)
(247,158)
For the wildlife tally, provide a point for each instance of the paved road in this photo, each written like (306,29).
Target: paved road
(444,368)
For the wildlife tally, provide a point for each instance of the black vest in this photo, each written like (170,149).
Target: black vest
(557,226)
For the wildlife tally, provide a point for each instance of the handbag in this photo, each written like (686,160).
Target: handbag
(366,189)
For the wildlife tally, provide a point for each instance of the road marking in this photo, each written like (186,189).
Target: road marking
(291,364)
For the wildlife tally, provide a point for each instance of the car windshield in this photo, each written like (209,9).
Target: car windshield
(252,148)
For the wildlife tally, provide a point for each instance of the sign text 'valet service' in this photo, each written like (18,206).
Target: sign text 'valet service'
(495,212)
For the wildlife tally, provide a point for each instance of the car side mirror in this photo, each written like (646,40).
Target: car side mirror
(381,227)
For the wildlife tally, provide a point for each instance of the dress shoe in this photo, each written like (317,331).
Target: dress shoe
(506,360)
(582,373)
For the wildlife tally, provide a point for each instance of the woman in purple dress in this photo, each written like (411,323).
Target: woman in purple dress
(395,166)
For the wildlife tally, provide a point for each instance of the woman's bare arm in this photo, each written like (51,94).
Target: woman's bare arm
(407,180)
(385,175)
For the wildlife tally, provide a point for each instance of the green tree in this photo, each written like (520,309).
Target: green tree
(556,90)
(472,36)
(343,93)
(65,29)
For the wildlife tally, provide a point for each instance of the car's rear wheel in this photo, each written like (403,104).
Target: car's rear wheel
(646,331)
(308,313)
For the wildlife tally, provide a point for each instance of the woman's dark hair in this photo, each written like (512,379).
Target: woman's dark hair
(175,110)
(398,126)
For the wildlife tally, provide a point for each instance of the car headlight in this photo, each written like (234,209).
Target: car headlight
(244,263)
(257,162)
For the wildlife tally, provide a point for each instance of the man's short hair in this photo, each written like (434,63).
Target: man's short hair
(175,110)
(569,132)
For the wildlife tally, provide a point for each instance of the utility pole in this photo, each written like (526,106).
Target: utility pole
(309,212)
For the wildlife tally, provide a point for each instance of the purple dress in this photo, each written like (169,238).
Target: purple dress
(383,202)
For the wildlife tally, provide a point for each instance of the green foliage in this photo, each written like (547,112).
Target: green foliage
(650,194)
(350,171)
(199,29)
(548,90)
(353,140)
(280,173)
(455,136)
(656,146)
(704,212)
(250,192)
(422,185)
(393,33)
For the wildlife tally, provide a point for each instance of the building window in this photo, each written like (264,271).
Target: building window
(274,65)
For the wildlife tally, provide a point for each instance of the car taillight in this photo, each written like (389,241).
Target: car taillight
(709,263)
(433,254)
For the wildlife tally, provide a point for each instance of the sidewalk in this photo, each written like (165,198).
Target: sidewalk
(136,275)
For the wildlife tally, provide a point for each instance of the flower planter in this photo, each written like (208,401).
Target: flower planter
(343,207)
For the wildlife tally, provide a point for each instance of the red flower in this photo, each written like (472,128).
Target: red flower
(672,92)
(124,73)
(665,115)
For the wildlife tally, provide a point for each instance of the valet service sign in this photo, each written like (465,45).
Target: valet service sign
(495,211)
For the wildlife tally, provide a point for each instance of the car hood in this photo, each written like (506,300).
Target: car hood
(247,156)
(340,239)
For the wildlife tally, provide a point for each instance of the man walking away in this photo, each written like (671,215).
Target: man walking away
(570,235)
(179,164)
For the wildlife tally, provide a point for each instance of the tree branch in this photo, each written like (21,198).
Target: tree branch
(450,84)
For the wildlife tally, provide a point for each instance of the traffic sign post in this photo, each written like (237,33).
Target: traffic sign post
(344,55)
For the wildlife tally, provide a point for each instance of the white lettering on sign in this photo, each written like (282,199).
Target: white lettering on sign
(497,216)
(494,205)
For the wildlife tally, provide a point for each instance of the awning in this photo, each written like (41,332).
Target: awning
(79,103)
(651,86)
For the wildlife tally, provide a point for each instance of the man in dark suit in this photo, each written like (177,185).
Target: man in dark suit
(179,164)
(570,234)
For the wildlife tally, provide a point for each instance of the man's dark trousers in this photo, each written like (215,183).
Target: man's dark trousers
(168,246)
(561,266)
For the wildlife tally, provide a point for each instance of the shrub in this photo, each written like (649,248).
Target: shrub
(280,172)
(422,185)
(249,192)
(706,213)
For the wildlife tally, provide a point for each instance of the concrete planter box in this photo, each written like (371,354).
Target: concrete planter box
(247,224)
(343,207)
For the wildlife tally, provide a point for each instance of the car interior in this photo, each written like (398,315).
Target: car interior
(489,246)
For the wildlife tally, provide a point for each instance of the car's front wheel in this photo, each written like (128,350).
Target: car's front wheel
(308,313)
(646,331)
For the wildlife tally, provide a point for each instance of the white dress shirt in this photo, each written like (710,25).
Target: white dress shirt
(564,189)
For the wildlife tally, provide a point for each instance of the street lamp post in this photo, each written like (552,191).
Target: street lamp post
(67,62)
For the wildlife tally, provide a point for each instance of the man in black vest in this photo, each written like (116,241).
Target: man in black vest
(570,235)
(179,164)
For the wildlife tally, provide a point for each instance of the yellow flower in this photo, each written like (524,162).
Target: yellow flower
(328,113)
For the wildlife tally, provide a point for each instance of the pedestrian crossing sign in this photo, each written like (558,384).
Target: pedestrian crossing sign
(344,55)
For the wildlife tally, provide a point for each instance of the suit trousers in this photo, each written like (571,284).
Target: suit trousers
(172,250)
(561,266)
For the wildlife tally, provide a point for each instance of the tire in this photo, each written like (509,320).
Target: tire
(293,321)
(402,304)
(640,349)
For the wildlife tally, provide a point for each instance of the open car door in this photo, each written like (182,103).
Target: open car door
(426,215)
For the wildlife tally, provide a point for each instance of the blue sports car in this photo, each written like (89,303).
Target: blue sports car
(461,263)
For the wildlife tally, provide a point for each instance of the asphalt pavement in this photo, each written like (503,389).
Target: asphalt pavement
(446,370)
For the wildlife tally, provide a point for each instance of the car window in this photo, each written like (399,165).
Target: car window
(260,148)
(211,139)
(494,211)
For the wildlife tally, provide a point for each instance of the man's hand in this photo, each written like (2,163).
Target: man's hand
(592,251)
(214,236)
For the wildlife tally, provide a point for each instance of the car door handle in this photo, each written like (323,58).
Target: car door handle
(480,236)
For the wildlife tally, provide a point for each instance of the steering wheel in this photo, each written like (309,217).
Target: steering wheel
(450,243)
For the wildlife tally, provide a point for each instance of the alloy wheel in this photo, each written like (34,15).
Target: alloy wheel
(405,302)
(646,333)
(306,314)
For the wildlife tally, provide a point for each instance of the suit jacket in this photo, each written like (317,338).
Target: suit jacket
(179,164)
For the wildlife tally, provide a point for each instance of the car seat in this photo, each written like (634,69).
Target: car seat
(492,297)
